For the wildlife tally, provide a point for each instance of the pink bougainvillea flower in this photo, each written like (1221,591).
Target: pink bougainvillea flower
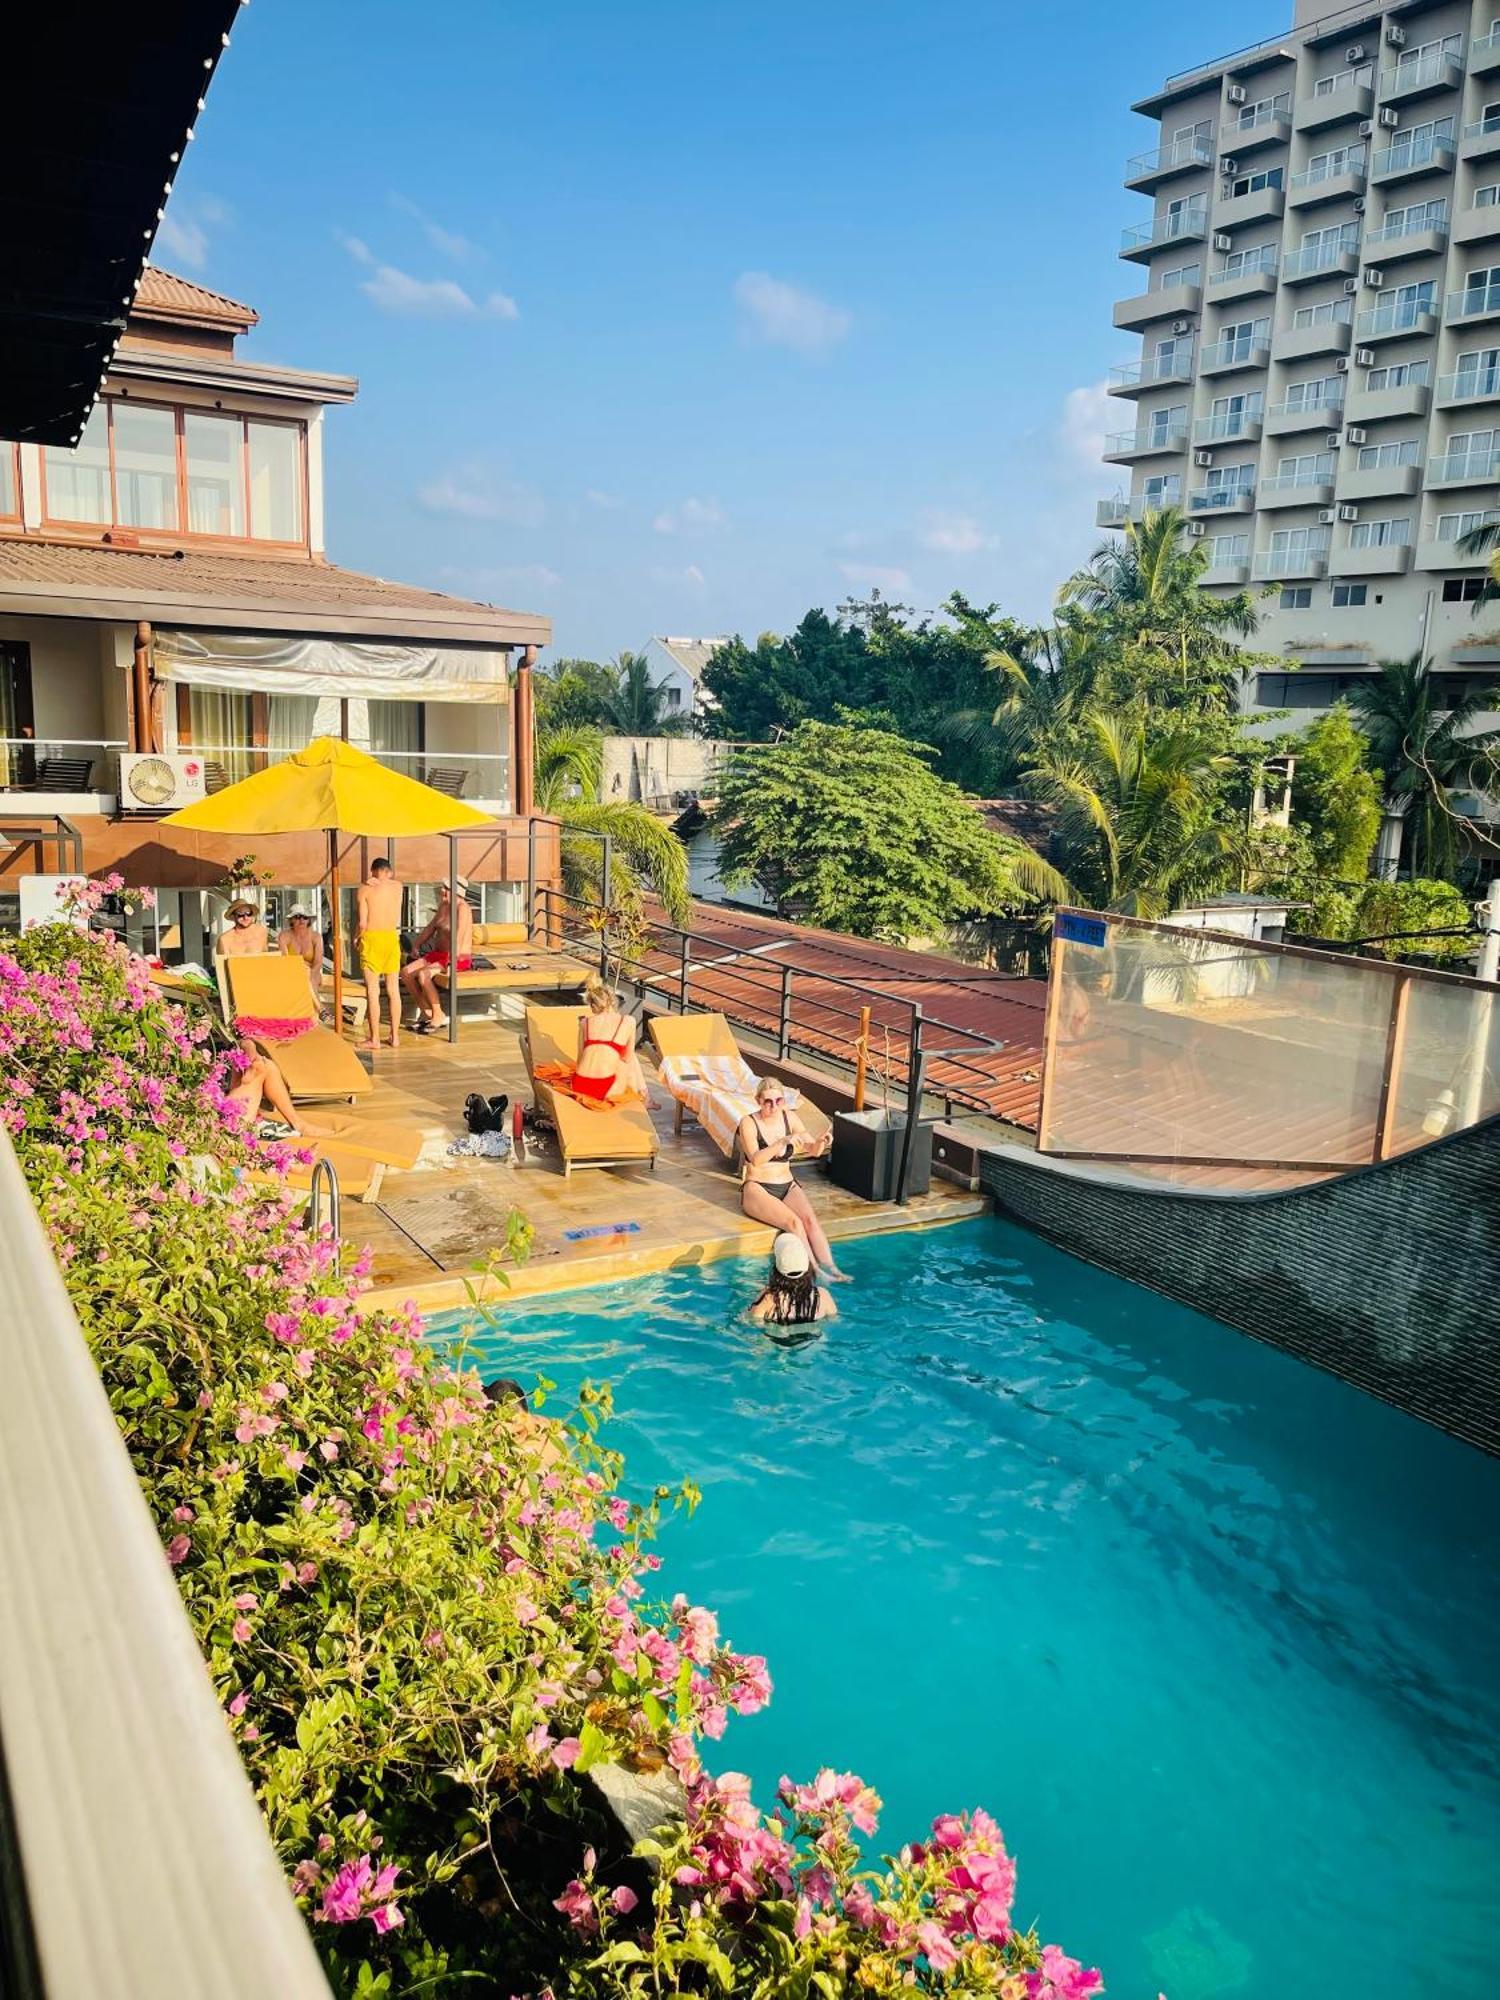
(177,1550)
(1062,1978)
(577,1905)
(565,1754)
(624,1899)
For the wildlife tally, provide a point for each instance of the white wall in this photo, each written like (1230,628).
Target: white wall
(70,677)
(666,673)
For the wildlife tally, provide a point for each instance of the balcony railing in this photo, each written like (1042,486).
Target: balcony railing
(1470,382)
(1356,162)
(1225,428)
(1487,127)
(1123,444)
(1474,302)
(462,774)
(1302,559)
(1191,152)
(1321,257)
(1403,154)
(1251,265)
(1236,353)
(1400,316)
(1256,115)
(1141,374)
(1294,482)
(57,765)
(1330,401)
(1342,80)
(1220,499)
(1187,224)
(1393,232)
(1422,73)
(1478,463)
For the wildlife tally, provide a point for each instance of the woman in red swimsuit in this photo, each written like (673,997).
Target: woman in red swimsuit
(608,1066)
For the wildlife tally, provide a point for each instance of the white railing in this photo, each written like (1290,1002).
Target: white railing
(1400,316)
(1218,499)
(1304,559)
(1176,153)
(1311,406)
(144,1864)
(1344,79)
(1255,115)
(1474,301)
(1295,482)
(1223,429)
(1140,374)
(1187,223)
(1428,151)
(477,774)
(1321,257)
(1355,162)
(1466,382)
(1251,265)
(1417,72)
(1392,232)
(1225,550)
(1118,443)
(1236,353)
(24,762)
(1486,45)
(1487,127)
(1479,462)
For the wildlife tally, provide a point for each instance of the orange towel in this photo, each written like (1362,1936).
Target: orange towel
(561,1075)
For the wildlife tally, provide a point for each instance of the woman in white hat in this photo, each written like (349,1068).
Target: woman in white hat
(793,1296)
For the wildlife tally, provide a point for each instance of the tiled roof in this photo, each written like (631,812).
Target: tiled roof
(162,294)
(1028,820)
(692,655)
(245,592)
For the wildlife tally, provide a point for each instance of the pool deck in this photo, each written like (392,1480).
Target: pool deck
(431,1231)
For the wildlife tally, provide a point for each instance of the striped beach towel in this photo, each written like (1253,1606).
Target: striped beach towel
(718,1090)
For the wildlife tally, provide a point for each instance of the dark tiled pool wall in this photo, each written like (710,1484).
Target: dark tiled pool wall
(1388,1277)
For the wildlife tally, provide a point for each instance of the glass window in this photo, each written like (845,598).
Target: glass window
(215,474)
(1453,527)
(1348,596)
(78,480)
(1487,197)
(275,483)
(1383,534)
(1225,549)
(1333,312)
(1398,375)
(10,486)
(1296,597)
(1404,451)
(145,466)
(1180,274)
(1463,589)
(1266,177)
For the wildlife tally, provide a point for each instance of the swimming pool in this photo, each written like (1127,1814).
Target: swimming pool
(1214,1637)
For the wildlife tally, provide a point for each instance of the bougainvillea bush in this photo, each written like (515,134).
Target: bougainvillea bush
(430,1619)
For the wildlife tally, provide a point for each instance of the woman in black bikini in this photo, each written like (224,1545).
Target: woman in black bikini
(769,1192)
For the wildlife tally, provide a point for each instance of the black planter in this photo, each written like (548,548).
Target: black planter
(866,1157)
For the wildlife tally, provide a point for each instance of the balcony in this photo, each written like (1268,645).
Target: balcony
(1221,500)
(1252,280)
(1484,53)
(479,778)
(1379,482)
(1389,243)
(1296,489)
(1122,447)
(1398,162)
(1405,82)
(1294,416)
(1481,138)
(1267,204)
(1469,385)
(1473,304)
(1290,565)
(1311,187)
(1114,513)
(66,775)
(1373,406)
(1239,427)
(1378,559)
(1477,466)
(1231,570)
(1299,267)
(1477,225)
(1400,319)
(1226,357)
(1262,129)
(1167,302)
(1351,95)
(1142,242)
(1148,170)
(1136,378)
(1325,336)
(1447,554)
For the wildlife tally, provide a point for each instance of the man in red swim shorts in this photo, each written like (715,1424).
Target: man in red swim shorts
(438,945)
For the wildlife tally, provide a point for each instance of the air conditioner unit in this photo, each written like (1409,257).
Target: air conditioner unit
(1390,116)
(160,784)
(1359,204)
(1203,458)
(1365,357)
(1351,285)
(1182,326)
(1331,440)
(1355,434)
(1355,53)
(1396,37)
(1374,278)
(1197,527)
(1341,366)
(1367,128)
(1236,93)
(1228,165)
(1223,242)
(1347,513)
(1326,516)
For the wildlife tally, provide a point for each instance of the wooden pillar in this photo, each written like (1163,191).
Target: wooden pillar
(523,739)
(142,734)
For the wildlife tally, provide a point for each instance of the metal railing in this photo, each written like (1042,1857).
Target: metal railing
(1360,78)
(1227,428)
(1467,382)
(24,762)
(1400,316)
(1139,374)
(1255,115)
(1294,482)
(1187,225)
(1474,302)
(1320,257)
(1311,406)
(1251,264)
(1479,462)
(1176,153)
(1305,559)
(1356,161)
(1428,151)
(133,1856)
(1486,45)
(1219,499)
(476,774)
(1236,353)
(1393,232)
(1417,72)
(1171,438)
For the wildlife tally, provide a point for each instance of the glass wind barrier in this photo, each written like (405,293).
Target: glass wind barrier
(1187,1051)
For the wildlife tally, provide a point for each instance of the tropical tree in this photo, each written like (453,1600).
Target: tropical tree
(634,704)
(644,854)
(570,694)
(1140,819)
(851,828)
(1424,744)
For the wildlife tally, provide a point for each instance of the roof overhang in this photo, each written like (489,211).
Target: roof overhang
(176,366)
(99,106)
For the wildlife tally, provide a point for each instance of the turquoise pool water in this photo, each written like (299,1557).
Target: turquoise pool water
(1215,1638)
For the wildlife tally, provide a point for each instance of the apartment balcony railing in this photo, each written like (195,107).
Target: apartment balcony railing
(1476,466)
(1177,156)
(1413,156)
(1350,93)
(1327,182)
(1484,52)
(1135,377)
(1221,500)
(1474,302)
(1112,513)
(1256,126)
(1186,226)
(1406,239)
(1145,443)
(1222,357)
(1400,316)
(1415,78)
(1123,507)
(1300,560)
(1481,138)
(1324,412)
(1478,223)
(1470,385)
(1231,427)
(1319,261)
(475,776)
(1306,485)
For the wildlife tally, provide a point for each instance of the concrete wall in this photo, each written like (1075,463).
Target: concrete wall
(638,767)
(1388,1277)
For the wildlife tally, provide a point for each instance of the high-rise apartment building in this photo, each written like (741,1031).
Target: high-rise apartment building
(1318,386)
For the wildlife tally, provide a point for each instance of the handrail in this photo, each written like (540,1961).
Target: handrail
(42,827)
(132,1845)
(324,1173)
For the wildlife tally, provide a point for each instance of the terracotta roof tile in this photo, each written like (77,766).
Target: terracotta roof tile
(162,294)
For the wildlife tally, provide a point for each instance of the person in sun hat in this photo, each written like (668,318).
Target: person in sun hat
(246,932)
(299,939)
(792,1294)
(447,941)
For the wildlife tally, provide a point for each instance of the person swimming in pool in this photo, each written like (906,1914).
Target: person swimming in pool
(792,1294)
(771,1138)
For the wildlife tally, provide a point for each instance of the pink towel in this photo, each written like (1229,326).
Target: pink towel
(267,1029)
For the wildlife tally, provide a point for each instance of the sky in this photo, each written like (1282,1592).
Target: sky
(684,318)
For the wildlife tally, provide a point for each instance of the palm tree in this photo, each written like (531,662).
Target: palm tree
(643,853)
(636,705)
(1422,742)
(1135,812)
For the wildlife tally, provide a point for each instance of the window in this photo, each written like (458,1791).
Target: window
(175,471)
(1265,177)
(1478,372)
(1481,292)
(1295,597)
(1463,589)
(1453,527)
(1426,56)
(1333,312)
(1399,375)
(10,482)
(1163,489)
(1418,144)
(1349,596)
(1343,79)
(1161,423)
(17,757)
(1332,241)
(1489,118)
(1169,357)
(1226,549)
(1314,395)
(1403,451)
(1388,533)
(1472,455)
(1186,134)
(1306,690)
(1229,479)
(1263,110)
(1186,215)
(1306,468)
(1241,263)
(1487,197)
(1417,215)
(1179,274)
(1338,160)
(1298,545)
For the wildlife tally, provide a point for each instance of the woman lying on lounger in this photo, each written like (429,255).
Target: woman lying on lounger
(770,1139)
(793,1296)
(262,1086)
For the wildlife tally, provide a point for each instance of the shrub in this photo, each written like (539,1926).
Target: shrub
(425,1615)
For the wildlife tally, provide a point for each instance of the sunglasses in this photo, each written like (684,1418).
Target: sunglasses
(245,917)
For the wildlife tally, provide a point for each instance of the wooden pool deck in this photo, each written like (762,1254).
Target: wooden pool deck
(431,1231)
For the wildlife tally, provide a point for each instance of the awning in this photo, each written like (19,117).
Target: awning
(275,663)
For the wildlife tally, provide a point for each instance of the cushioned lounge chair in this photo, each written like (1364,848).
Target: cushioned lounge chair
(621,1136)
(516,964)
(707,1076)
(271,986)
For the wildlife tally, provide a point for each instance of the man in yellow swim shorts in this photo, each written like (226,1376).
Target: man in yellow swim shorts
(380,949)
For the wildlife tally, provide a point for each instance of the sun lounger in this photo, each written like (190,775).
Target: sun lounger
(398,1146)
(516,965)
(707,1076)
(270,986)
(621,1136)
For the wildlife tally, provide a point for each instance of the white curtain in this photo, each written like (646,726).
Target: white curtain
(220,724)
(289,723)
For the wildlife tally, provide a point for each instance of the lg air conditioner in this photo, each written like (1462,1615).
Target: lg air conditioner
(1347,513)
(1355,53)
(1236,93)
(1366,128)
(160,784)
(1355,434)
(1341,366)
(1364,357)
(1326,517)
(1390,116)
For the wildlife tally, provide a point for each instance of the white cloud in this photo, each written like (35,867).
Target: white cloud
(882,576)
(953,534)
(479,493)
(595,498)
(1086,417)
(183,235)
(693,517)
(398,291)
(447,242)
(691,575)
(783,315)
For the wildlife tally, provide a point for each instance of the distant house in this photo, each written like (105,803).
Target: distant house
(677,665)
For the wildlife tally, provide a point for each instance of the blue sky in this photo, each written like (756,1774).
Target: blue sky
(684,317)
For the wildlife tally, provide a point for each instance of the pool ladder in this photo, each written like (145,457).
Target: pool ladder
(324,1175)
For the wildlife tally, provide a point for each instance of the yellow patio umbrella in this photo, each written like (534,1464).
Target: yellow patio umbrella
(330,787)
